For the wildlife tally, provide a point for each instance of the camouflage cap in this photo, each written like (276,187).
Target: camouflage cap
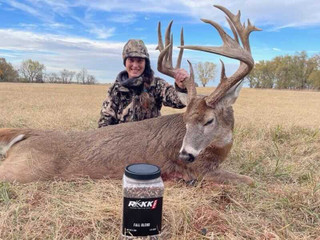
(134,48)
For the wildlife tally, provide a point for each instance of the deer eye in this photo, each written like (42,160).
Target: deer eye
(209,122)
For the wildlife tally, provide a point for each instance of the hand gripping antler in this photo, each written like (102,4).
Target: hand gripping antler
(231,48)
(165,59)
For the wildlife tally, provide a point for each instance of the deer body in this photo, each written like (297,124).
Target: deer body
(104,152)
(97,153)
(189,146)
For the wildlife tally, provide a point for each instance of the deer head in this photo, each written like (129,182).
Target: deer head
(209,120)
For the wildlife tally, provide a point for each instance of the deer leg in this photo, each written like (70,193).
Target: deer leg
(221,176)
(14,170)
(20,167)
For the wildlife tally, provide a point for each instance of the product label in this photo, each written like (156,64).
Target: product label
(141,217)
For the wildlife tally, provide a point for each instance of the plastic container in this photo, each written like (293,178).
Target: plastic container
(142,202)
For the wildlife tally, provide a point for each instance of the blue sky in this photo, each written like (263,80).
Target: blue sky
(71,35)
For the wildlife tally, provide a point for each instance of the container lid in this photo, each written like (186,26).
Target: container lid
(142,171)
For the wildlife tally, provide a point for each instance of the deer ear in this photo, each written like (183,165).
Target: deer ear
(231,95)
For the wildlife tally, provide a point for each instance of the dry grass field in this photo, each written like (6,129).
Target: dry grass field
(276,142)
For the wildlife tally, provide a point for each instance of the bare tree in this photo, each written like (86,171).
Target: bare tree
(52,78)
(82,76)
(91,79)
(32,71)
(205,71)
(67,76)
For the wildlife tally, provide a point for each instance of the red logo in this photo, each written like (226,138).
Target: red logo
(154,205)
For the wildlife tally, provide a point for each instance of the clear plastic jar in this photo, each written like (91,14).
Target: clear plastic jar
(142,202)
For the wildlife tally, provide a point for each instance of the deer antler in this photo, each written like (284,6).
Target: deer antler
(231,48)
(165,59)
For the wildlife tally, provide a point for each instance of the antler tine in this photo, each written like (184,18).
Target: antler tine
(234,31)
(190,85)
(181,50)
(160,43)
(169,55)
(168,33)
(167,41)
(231,48)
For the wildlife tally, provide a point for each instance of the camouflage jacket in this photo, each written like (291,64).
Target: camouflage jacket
(132,100)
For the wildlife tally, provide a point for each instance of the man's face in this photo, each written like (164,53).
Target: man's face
(135,66)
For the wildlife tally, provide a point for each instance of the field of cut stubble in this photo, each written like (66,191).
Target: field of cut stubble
(276,142)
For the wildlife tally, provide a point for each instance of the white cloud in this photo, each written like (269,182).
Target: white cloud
(285,13)
(102,32)
(275,14)
(123,18)
(24,7)
(104,57)
(165,6)
(45,16)
(59,52)
(28,25)
(101,58)
(57,6)
(58,25)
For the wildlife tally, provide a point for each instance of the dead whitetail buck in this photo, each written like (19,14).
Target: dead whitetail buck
(189,146)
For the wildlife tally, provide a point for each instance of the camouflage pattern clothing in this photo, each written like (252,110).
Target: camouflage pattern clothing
(131,100)
(134,48)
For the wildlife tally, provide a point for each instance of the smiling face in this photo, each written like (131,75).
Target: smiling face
(135,66)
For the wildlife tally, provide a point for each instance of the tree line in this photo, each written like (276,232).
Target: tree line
(33,71)
(287,72)
(282,72)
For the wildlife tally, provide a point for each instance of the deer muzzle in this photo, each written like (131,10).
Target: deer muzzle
(186,157)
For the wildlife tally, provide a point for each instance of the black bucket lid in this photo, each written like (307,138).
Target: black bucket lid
(142,171)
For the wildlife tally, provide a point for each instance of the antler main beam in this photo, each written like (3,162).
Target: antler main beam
(230,48)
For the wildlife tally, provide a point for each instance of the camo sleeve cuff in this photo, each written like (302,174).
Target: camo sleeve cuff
(178,89)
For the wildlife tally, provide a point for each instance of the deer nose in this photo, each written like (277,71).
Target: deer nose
(187,157)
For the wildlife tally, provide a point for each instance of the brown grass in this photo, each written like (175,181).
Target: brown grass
(277,142)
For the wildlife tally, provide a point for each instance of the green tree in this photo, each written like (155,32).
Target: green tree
(262,75)
(32,71)
(293,71)
(205,71)
(286,72)
(314,80)
(283,72)
(302,68)
(7,72)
